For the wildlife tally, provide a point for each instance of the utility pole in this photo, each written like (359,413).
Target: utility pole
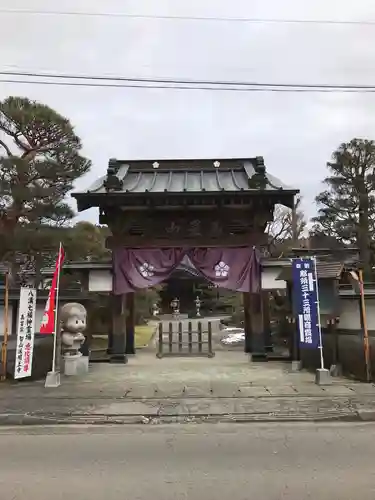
(294,225)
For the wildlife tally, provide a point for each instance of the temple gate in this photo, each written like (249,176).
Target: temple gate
(212,212)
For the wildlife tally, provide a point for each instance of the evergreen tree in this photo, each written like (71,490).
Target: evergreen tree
(40,158)
(346,208)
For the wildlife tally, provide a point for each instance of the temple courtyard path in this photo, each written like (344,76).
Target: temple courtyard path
(212,462)
(228,387)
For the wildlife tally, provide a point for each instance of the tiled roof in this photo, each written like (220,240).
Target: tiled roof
(184,176)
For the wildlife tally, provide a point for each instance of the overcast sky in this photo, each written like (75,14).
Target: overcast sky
(295,133)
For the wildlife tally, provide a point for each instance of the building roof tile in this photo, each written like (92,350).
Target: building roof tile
(185,176)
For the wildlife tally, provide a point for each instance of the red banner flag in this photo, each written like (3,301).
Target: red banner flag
(48,321)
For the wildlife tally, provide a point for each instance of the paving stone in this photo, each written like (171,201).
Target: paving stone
(308,389)
(366,415)
(227,384)
(281,390)
(198,390)
(133,408)
(138,391)
(191,406)
(169,389)
(362,389)
(253,392)
(224,389)
(338,390)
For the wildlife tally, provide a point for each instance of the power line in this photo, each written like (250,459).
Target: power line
(186,18)
(189,87)
(185,81)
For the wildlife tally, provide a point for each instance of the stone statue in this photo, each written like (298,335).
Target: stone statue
(73,321)
(198,304)
(175,305)
(155,309)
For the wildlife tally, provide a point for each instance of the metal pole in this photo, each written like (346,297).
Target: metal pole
(366,344)
(4,347)
(318,313)
(56,310)
(294,225)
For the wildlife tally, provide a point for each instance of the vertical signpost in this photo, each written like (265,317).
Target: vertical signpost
(25,333)
(307,310)
(4,346)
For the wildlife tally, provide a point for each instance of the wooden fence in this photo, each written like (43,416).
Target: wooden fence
(177,342)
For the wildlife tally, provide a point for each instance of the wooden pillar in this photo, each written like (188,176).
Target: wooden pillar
(254,326)
(86,346)
(110,338)
(334,334)
(130,332)
(13,329)
(267,320)
(295,351)
(258,352)
(295,347)
(110,326)
(118,348)
(247,322)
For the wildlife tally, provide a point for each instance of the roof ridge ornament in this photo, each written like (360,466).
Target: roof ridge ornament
(259,179)
(261,168)
(155,165)
(216,164)
(112,182)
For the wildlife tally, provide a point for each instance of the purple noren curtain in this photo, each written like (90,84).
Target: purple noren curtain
(233,268)
(142,268)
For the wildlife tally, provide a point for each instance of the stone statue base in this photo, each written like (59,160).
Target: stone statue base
(322,377)
(83,365)
(70,364)
(52,379)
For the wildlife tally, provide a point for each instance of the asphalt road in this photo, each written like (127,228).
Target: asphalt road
(195,462)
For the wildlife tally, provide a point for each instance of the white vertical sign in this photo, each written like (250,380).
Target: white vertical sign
(25,333)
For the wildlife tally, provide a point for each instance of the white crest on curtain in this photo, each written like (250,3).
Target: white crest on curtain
(221,270)
(146,270)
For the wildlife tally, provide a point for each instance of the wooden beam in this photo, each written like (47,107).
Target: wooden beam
(118,348)
(258,352)
(266,320)
(247,322)
(130,326)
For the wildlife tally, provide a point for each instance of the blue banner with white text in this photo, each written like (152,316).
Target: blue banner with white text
(305,302)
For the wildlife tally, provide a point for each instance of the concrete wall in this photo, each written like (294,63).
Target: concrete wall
(2,320)
(101,281)
(350,354)
(350,318)
(269,279)
(348,340)
(43,345)
(38,319)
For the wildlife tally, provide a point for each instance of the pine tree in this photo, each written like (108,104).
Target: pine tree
(346,209)
(40,158)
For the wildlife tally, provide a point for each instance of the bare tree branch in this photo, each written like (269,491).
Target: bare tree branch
(280,231)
